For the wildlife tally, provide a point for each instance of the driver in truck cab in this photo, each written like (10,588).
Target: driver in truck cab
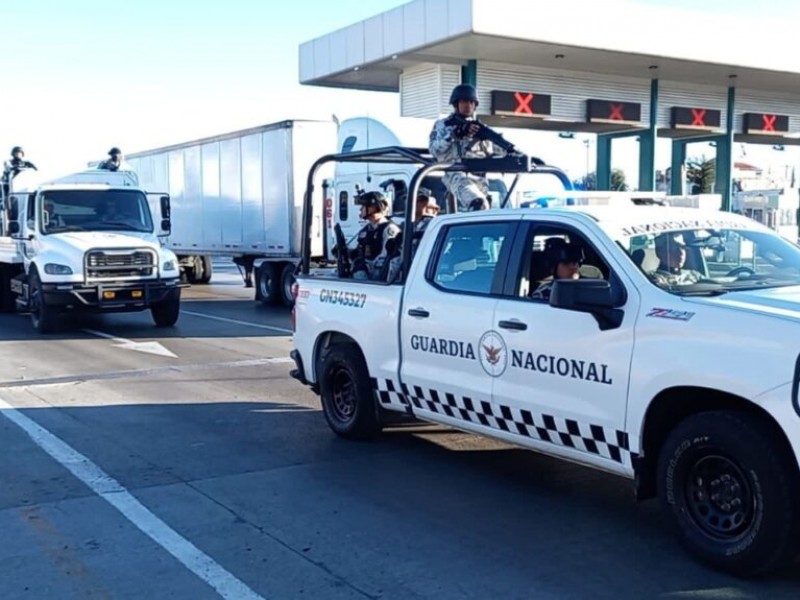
(671,253)
(564,261)
(374,241)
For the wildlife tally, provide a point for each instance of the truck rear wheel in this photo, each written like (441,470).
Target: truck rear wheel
(348,401)
(730,488)
(8,301)
(287,281)
(166,312)
(268,283)
(43,317)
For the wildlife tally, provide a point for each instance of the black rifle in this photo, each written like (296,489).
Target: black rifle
(462,125)
(344,269)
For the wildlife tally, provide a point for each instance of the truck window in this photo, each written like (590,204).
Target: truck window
(343,196)
(541,266)
(469,256)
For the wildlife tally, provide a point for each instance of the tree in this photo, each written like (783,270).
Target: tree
(618,182)
(701,174)
(589,182)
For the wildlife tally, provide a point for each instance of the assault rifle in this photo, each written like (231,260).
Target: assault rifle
(485,132)
(344,268)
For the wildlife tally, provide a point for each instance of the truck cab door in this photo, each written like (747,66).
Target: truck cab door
(566,376)
(447,320)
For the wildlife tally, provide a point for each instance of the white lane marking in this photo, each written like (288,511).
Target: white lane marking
(110,490)
(71,379)
(238,322)
(146,347)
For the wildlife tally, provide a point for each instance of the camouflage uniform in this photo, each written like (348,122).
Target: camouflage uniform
(668,277)
(371,251)
(446,148)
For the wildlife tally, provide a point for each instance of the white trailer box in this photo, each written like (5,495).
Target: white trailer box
(240,195)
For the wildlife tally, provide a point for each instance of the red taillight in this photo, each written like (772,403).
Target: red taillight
(295,290)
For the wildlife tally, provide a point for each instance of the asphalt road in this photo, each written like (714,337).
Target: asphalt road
(186,464)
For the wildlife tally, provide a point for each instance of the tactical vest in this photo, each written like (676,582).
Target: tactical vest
(370,240)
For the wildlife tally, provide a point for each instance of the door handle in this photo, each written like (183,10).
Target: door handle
(418,312)
(513,325)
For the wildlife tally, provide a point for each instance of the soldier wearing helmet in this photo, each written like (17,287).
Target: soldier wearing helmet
(13,166)
(672,253)
(375,240)
(114,162)
(564,261)
(450,143)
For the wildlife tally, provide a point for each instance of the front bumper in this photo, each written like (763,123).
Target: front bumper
(110,296)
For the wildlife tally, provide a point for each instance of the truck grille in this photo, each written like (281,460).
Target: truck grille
(119,264)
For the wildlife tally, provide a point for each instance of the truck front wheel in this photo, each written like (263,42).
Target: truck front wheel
(166,312)
(730,487)
(347,398)
(43,317)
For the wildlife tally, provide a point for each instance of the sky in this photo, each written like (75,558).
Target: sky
(81,76)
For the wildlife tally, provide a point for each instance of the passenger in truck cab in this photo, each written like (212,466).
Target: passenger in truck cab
(374,241)
(52,219)
(563,261)
(671,252)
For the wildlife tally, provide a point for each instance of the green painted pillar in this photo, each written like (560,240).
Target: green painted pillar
(676,185)
(647,144)
(724,162)
(604,162)
(469,72)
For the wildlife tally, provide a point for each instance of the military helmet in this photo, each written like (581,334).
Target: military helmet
(558,250)
(463,91)
(375,199)
(16,149)
(114,151)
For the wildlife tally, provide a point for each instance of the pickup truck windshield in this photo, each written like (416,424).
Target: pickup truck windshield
(94,210)
(715,261)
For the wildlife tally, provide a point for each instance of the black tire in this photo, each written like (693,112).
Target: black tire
(287,281)
(207,269)
(166,312)
(730,487)
(43,317)
(348,401)
(8,301)
(268,284)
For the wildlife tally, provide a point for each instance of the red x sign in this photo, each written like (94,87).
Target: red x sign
(523,103)
(769,122)
(699,116)
(616,113)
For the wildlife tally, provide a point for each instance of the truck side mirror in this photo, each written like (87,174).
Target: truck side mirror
(13,227)
(166,227)
(165,209)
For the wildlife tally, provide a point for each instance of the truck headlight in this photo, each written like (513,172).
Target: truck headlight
(169,265)
(57,269)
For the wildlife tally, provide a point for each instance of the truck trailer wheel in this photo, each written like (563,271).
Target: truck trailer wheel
(287,281)
(166,312)
(43,317)
(206,269)
(730,487)
(268,282)
(347,398)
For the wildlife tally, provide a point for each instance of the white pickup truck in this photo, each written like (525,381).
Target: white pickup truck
(673,360)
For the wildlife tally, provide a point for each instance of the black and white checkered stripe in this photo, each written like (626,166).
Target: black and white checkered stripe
(593,439)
